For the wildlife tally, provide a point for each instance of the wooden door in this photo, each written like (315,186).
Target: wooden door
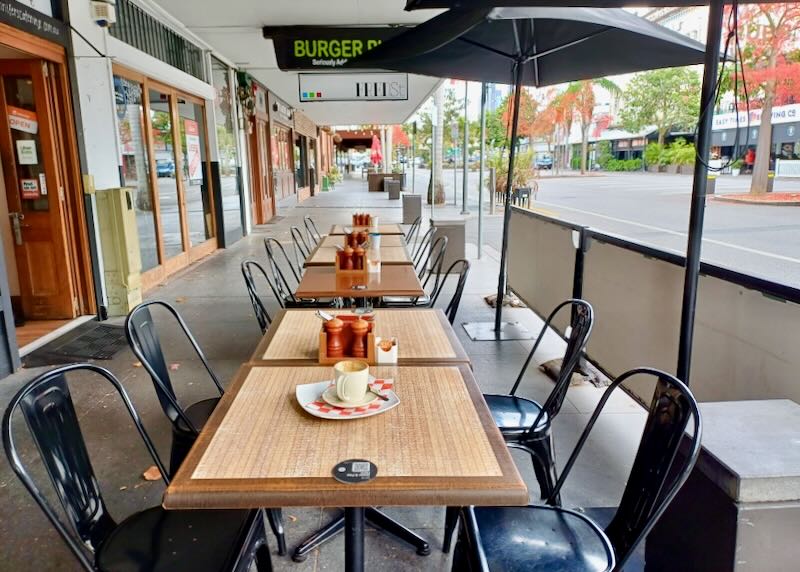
(34,181)
(267,192)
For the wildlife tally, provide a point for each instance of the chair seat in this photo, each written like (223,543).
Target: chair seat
(514,415)
(158,540)
(543,538)
(198,414)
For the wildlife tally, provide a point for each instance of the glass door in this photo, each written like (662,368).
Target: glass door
(193,172)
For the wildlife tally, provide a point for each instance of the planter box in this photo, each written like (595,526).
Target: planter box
(672,169)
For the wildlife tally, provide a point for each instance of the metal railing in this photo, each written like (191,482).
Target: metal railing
(144,32)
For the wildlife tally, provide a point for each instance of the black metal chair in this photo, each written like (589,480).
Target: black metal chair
(413,231)
(259,308)
(422,247)
(527,425)
(186,422)
(553,538)
(429,269)
(302,249)
(152,540)
(312,231)
(452,306)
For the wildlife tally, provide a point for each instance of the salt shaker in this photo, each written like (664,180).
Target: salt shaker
(333,329)
(347,254)
(359,254)
(359,329)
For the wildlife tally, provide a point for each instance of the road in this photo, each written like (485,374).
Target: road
(654,209)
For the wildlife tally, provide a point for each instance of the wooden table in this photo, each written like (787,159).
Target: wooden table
(392,228)
(424,337)
(393,280)
(439,447)
(326,256)
(331,241)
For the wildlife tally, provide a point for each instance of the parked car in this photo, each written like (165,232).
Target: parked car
(165,168)
(544,162)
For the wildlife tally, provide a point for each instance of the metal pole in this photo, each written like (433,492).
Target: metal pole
(354,539)
(454,135)
(492,188)
(698,205)
(464,187)
(480,168)
(413,155)
(501,278)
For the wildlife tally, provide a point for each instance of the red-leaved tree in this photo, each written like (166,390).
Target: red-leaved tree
(771,75)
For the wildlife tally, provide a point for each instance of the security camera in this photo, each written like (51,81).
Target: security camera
(104,12)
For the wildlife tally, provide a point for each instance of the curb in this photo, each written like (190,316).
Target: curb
(795,203)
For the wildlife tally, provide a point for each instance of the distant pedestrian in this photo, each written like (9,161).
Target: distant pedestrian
(749,160)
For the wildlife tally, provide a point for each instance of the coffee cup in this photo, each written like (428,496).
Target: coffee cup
(352,380)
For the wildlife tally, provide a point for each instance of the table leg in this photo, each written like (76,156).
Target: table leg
(354,539)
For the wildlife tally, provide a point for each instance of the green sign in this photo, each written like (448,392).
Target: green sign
(323,47)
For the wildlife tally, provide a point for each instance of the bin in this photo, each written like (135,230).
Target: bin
(412,208)
(454,230)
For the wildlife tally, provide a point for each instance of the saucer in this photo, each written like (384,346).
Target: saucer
(331,398)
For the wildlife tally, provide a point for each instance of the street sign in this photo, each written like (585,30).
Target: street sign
(353,87)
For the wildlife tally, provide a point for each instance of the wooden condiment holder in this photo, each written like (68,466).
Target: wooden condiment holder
(347,341)
(362,272)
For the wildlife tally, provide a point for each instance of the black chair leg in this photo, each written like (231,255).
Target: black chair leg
(263,559)
(544,465)
(450,523)
(275,517)
(319,538)
(181,445)
(461,552)
(380,520)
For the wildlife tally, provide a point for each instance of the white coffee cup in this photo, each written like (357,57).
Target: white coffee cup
(352,380)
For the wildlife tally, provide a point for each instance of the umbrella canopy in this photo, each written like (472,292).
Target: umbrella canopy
(422,4)
(553,45)
(536,46)
(375,154)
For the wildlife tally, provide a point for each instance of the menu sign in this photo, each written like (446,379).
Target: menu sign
(192,148)
(323,47)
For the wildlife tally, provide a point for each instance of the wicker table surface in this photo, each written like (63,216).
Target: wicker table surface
(393,280)
(326,256)
(332,241)
(392,228)
(424,336)
(438,447)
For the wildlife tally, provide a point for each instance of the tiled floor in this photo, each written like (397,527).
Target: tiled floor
(212,299)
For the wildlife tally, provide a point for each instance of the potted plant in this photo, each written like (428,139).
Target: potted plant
(736,167)
(654,157)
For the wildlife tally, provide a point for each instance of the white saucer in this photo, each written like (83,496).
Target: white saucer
(330,397)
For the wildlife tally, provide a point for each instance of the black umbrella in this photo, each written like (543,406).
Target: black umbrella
(530,46)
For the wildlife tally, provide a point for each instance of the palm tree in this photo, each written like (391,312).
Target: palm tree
(584,102)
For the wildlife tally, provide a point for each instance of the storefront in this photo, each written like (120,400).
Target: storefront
(164,158)
(46,271)
(254,99)
(281,147)
(305,156)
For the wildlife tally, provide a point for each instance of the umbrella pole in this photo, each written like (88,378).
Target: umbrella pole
(501,279)
(698,205)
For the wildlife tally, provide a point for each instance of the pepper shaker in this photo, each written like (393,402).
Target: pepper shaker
(359,329)
(347,254)
(333,329)
(358,258)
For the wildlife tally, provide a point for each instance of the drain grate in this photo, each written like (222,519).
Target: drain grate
(100,342)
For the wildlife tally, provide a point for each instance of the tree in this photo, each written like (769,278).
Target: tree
(527,113)
(584,108)
(667,98)
(771,72)
(436,195)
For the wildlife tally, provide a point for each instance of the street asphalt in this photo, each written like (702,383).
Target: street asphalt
(653,209)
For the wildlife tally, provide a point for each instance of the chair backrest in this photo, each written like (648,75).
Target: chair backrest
(284,288)
(432,265)
(311,230)
(47,408)
(462,268)
(301,247)
(581,328)
(413,231)
(422,247)
(259,309)
(655,477)
(142,335)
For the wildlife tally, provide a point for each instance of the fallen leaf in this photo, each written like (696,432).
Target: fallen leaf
(180,299)
(152,474)
(123,488)
(137,364)
(292,518)
(174,366)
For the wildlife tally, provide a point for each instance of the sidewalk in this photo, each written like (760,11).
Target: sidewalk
(213,300)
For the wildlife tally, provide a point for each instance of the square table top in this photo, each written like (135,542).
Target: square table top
(326,256)
(333,240)
(438,447)
(391,228)
(393,280)
(423,334)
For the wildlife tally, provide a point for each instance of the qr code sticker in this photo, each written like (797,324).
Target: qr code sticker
(360,467)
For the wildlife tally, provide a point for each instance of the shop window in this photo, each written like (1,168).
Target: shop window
(300,161)
(228,156)
(166,166)
(194,172)
(135,167)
